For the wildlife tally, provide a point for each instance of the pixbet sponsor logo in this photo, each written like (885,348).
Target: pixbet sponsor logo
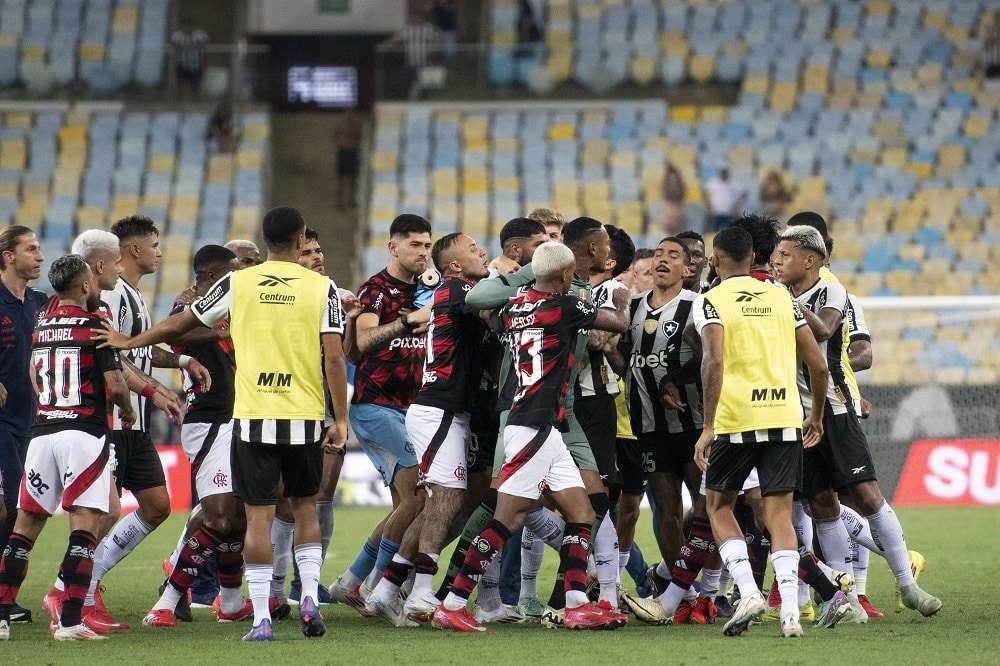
(951,472)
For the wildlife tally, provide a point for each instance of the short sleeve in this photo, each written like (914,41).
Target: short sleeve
(372,298)
(704,313)
(800,319)
(836,297)
(333,313)
(216,303)
(113,299)
(578,314)
(602,295)
(857,327)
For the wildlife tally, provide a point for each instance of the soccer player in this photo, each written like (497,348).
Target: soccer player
(20,262)
(247,253)
(438,421)
(841,460)
(388,348)
(519,239)
(596,389)
(207,436)
(752,418)
(657,354)
(540,327)
(696,247)
(552,220)
(137,465)
(642,266)
(282,317)
(67,461)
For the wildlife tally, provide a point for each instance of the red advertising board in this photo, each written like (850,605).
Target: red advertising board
(951,472)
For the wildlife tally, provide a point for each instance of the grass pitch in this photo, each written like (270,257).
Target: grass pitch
(960,545)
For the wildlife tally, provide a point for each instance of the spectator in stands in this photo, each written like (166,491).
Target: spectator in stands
(551,219)
(189,54)
(444,15)
(421,41)
(673,201)
(774,195)
(991,48)
(724,198)
(346,141)
(529,34)
(220,128)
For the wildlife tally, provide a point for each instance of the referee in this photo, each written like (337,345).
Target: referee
(282,317)
(751,332)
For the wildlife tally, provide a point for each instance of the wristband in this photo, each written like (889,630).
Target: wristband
(183,361)
(406,323)
(147,391)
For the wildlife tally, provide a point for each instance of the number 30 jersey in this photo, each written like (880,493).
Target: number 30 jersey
(541,330)
(69,373)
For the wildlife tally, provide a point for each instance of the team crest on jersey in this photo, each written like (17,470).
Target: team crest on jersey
(583,293)
(669,328)
(649,326)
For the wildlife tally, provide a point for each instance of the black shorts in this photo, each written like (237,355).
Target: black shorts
(633,466)
(840,459)
(778,463)
(347,162)
(138,464)
(257,469)
(669,451)
(598,418)
(484,424)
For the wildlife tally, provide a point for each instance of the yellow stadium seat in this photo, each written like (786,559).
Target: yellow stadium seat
(249,158)
(919,169)
(869,98)
(838,35)
(701,68)
(878,59)
(815,79)
(977,126)
(734,48)
(913,251)
(901,281)
(643,69)
(503,39)
(91,52)
(929,73)
(674,44)
(507,184)
(161,163)
(256,132)
(981,376)
(757,84)
(90,217)
(8,189)
(714,112)
(783,96)
(949,375)
(625,159)
(561,132)
(683,114)
(220,169)
(879,8)
(444,182)
(951,158)
(935,20)
(9,39)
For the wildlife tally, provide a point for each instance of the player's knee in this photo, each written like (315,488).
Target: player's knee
(156,511)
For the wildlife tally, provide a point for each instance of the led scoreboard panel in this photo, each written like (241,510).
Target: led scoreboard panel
(329,87)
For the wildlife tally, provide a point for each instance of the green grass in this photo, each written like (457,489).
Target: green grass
(960,546)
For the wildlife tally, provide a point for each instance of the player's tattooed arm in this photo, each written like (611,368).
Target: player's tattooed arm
(372,337)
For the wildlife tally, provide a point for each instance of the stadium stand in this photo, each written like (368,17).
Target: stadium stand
(104,44)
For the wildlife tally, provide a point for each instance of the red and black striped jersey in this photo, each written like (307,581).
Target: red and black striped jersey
(219,358)
(453,350)
(541,331)
(389,376)
(69,372)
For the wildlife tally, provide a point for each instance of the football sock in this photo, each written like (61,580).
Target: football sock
(835,542)
(393,578)
(122,540)
(532,553)
(489,586)
(182,537)
(606,560)
(861,571)
(888,533)
(386,549)
(480,519)
(259,586)
(546,526)
(230,572)
(573,563)
(734,554)
(196,549)
(425,565)
(362,565)
(710,583)
(282,535)
(309,557)
(663,571)
(637,565)
(77,567)
(13,568)
(858,527)
(786,566)
(725,580)
(482,550)
(324,511)
(623,558)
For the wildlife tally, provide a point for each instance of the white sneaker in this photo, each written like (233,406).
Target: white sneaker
(856,614)
(749,609)
(530,608)
(503,614)
(391,610)
(78,632)
(421,607)
(791,627)
(4,630)
(353,597)
(647,610)
(916,599)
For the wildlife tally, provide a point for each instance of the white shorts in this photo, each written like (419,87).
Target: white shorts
(208,447)
(69,465)
(751,482)
(439,441)
(531,466)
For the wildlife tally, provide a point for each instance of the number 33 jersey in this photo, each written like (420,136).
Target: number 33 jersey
(69,373)
(541,329)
